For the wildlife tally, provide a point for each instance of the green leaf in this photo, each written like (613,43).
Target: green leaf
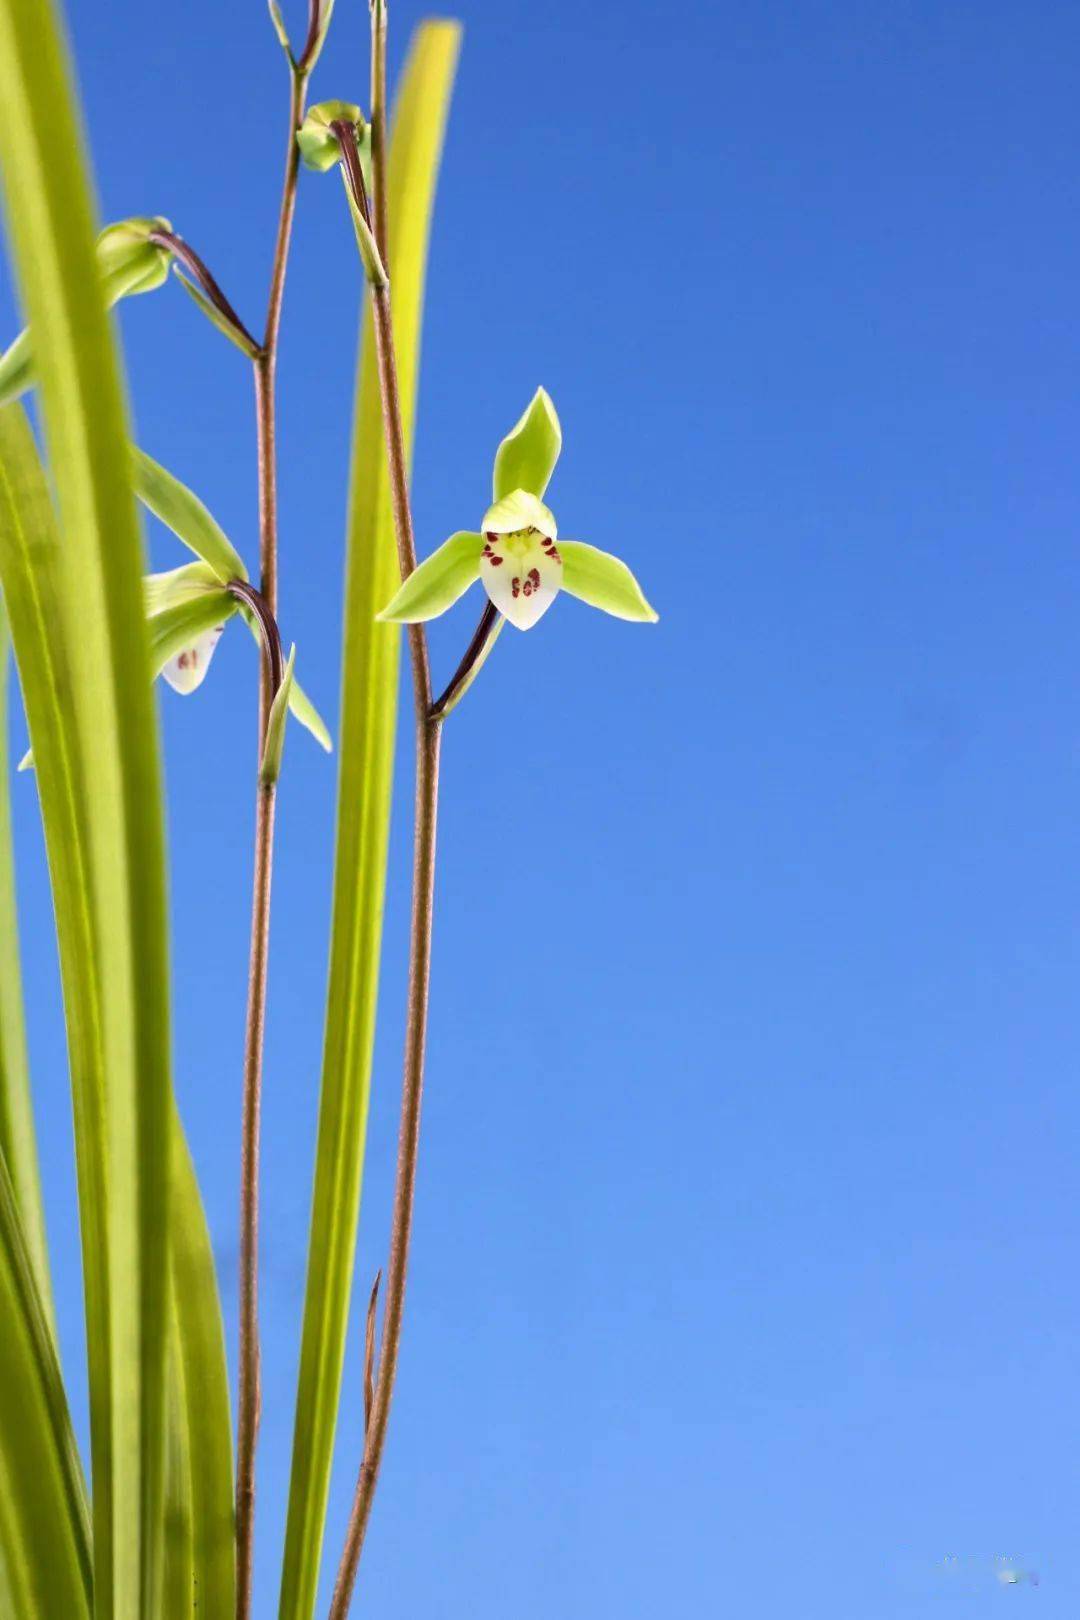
(200,1547)
(17,1141)
(603,581)
(31,568)
(181,510)
(44,1522)
(368,711)
(274,743)
(122,1094)
(526,457)
(16,369)
(437,582)
(215,317)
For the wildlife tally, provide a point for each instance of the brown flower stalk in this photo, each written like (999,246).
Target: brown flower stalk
(248,1402)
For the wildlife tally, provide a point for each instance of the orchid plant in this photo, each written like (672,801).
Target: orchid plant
(165,1524)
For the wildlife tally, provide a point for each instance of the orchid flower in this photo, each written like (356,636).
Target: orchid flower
(129,261)
(517,553)
(187,608)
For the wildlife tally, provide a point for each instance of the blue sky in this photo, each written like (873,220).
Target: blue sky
(747,1226)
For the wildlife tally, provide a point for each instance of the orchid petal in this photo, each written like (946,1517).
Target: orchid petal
(604,582)
(526,457)
(519,510)
(521,573)
(183,638)
(186,670)
(438,582)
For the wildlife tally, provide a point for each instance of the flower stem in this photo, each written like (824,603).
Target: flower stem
(428,738)
(471,663)
(248,1401)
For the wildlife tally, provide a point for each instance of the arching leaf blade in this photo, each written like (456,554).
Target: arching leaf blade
(368,711)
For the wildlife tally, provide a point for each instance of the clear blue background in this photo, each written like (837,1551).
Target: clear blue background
(745,1272)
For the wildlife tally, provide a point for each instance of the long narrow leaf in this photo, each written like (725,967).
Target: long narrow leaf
(124,1121)
(368,710)
(44,1523)
(17,1141)
(200,1549)
(29,569)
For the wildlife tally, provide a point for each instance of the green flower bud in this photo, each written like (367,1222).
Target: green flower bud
(319,144)
(128,260)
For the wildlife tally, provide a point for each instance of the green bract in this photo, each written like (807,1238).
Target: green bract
(517,553)
(318,143)
(128,263)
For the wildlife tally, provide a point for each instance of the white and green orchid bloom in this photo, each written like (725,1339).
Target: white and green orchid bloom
(517,553)
(128,263)
(188,608)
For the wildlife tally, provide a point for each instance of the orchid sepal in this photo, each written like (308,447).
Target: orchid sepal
(526,458)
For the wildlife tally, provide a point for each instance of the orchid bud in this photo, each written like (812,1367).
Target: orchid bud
(319,145)
(128,262)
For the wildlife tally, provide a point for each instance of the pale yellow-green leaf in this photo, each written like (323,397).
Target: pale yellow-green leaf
(368,709)
(31,560)
(200,1547)
(17,1140)
(123,1098)
(44,1521)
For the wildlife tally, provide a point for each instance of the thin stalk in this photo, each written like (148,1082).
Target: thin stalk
(378,123)
(186,255)
(471,662)
(428,738)
(249,1396)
